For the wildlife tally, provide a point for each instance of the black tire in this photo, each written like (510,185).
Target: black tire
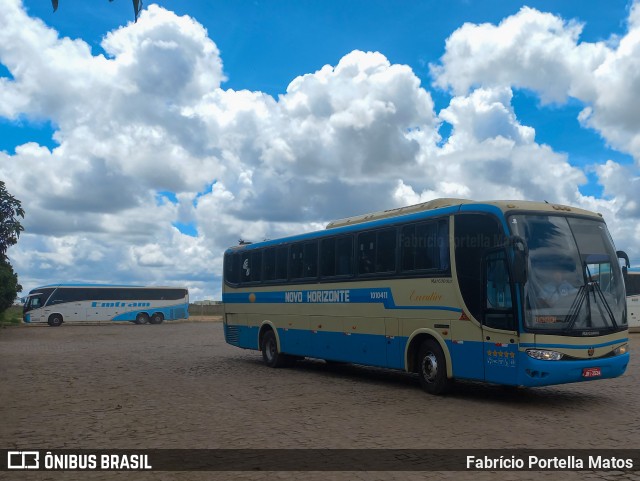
(157,318)
(142,318)
(270,354)
(55,320)
(432,368)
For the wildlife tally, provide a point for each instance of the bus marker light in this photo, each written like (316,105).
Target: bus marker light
(464,317)
(591,372)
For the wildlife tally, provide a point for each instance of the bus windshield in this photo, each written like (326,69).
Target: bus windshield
(37,299)
(574,282)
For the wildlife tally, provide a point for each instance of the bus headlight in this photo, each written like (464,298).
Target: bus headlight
(543,355)
(621,350)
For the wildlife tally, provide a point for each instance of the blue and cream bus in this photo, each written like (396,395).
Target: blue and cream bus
(509,292)
(55,304)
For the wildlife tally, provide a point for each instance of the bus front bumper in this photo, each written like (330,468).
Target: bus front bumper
(535,372)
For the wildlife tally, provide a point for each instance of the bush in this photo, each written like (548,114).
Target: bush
(11,317)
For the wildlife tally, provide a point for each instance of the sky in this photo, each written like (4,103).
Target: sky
(142,150)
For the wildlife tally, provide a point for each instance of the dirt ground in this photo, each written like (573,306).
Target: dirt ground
(179,385)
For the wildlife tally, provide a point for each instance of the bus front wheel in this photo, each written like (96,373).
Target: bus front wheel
(55,320)
(270,354)
(142,318)
(432,368)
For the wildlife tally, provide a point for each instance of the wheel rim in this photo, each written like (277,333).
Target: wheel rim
(430,367)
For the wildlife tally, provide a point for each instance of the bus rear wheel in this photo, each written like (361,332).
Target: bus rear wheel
(55,320)
(432,368)
(270,354)
(157,318)
(142,318)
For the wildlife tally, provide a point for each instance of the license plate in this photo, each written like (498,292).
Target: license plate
(591,372)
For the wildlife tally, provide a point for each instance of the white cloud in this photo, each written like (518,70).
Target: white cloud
(542,52)
(525,50)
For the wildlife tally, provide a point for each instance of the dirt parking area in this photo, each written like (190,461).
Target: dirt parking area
(179,385)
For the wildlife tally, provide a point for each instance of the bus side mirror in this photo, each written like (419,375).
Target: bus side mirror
(623,255)
(519,262)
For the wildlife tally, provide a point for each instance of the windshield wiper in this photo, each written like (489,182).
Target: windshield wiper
(596,288)
(576,306)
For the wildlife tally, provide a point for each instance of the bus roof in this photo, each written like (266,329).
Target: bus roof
(49,286)
(410,209)
(504,205)
(436,207)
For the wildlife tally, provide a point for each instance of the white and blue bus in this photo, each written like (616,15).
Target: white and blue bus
(632,283)
(55,304)
(508,292)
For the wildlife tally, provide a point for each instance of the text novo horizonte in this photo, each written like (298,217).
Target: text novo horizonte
(334,295)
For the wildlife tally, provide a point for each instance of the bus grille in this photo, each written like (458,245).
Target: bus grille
(232,334)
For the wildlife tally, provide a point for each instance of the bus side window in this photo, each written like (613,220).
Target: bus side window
(443,245)
(269,264)
(366,252)
(295,261)
(344,252)
(498,312)
(281,263)
(245,267)
(498,286)
(386,251)
(256,266)
(425,246)
(310,259)
(327,257)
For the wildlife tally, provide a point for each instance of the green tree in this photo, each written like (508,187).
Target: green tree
(137,6)
(9,286)
(10,229)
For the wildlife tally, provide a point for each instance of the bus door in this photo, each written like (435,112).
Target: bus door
(499,327)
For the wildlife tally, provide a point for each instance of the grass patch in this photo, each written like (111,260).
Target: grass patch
(11,317)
